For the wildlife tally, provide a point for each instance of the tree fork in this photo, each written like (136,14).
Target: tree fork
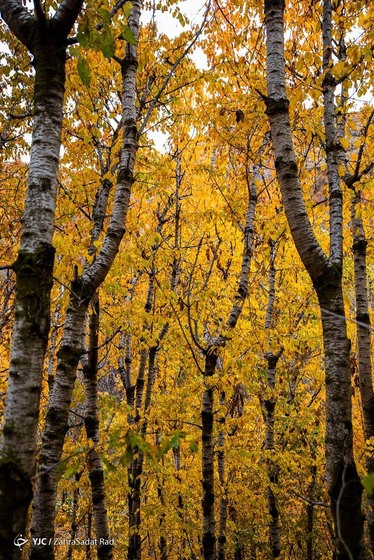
(326,275)
(46,41)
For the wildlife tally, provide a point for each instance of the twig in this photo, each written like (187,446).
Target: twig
(172,70)
(312,502)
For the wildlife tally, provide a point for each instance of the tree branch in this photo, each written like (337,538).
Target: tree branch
(19,20)
(312,502)
(67,14)
(39,12)
(172,70)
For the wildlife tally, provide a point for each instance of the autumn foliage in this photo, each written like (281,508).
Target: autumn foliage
(213,237)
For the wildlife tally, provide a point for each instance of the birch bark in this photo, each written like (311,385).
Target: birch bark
(82,290)
(91,421)
(326,274)
(221,548)
(46,40)
(210,367)
(268,410)
(364,344)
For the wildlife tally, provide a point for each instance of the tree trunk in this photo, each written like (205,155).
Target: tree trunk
(81,293)
(46,40)
(341,475)
(135,405)
(207,422)
(211,360)
(326,274)
(310,514)
(74,525)
(221,549)
(136,400)
(56,426)
(364,345)
(363,319)
(89,536)
(91,420)
(89,363)
(96,476)
(268,409)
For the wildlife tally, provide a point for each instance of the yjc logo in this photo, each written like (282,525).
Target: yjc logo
(19,541)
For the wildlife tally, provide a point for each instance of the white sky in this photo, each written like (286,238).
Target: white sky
(194,10)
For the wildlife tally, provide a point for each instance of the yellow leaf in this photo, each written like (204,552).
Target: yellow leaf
(344,142)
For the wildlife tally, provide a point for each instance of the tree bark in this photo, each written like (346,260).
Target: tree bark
(362,318)
(135,470)
(326,274)
(91,420)
(268,410)
(210,366)
(73,530)
(222,539)
(310,514)
(82,290)
(268,407)
(56,426)
(96,476)
(207,423)
(46,40)
(363,327)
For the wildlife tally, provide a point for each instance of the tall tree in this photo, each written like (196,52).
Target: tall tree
(82,290)
(363,323)
(211,363)
(46,39)
(325,272)
(268,406)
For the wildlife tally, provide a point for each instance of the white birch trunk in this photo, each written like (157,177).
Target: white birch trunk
(211,359)
(81,292)
(46,40)
(326,274)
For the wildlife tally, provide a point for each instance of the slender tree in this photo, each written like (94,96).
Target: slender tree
(325,272)
(139,394)
(91,420)
(210,368)
(46,40)
(82,290)
(268,406)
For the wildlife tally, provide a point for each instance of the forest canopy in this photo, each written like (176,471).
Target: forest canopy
(186,280)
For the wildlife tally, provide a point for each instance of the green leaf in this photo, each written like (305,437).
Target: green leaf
(127,9)
(105,15)
(127,457)
(71,470)
(109,467)
(194,447)
(114,437)
(84,71)
(79,450)
(108,46)
(84,35)
(127,34)
(164,447)
(174,441)
(368,483)
(181,19)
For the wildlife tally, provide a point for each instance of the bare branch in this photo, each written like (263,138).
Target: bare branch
(156,98)
(312,502)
